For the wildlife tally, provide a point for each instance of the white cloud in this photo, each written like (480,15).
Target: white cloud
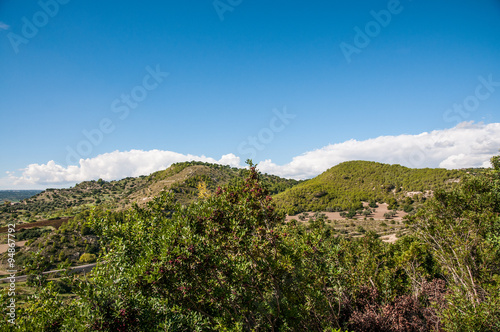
(4,26)
(108,166)
(466,145)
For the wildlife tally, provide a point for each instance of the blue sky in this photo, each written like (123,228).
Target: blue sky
(246,79)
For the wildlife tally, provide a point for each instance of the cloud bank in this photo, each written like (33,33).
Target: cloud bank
(109,166)
(466,145)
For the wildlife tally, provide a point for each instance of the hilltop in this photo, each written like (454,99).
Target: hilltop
(345,186)
(181,178)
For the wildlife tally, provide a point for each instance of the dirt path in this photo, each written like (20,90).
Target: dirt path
(76,269)
(56,223)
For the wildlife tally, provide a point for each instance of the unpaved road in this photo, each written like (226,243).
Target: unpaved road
(76,269)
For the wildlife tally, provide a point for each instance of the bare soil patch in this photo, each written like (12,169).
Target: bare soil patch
(56,223)
(5,247)
(377,215)
(355,227)
(389,238)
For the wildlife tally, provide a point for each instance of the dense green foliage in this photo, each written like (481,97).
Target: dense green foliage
(462,228)
(31,233)
(65,244)
(344,186)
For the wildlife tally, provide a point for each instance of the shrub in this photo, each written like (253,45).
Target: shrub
(87,258)
(61,286)
(360,229)
(351,214)
(31,233)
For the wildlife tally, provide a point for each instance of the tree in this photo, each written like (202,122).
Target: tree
(462,228)
(351,214)
(203,191)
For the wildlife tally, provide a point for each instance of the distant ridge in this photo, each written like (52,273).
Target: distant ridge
(16,195)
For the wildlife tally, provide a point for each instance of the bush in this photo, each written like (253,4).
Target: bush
(87,258)
(351,214)
(408,208)
(61,287)
(360,229)
(31,233)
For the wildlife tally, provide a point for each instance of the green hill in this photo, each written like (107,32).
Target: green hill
(181,178)
(344,186)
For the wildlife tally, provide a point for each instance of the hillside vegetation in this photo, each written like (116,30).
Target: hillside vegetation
(346,185)
(181,178)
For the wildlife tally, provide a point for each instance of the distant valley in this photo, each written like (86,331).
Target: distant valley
(13,196)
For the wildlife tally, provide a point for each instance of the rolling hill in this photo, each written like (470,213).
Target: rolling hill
(182,179)
(346,185)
